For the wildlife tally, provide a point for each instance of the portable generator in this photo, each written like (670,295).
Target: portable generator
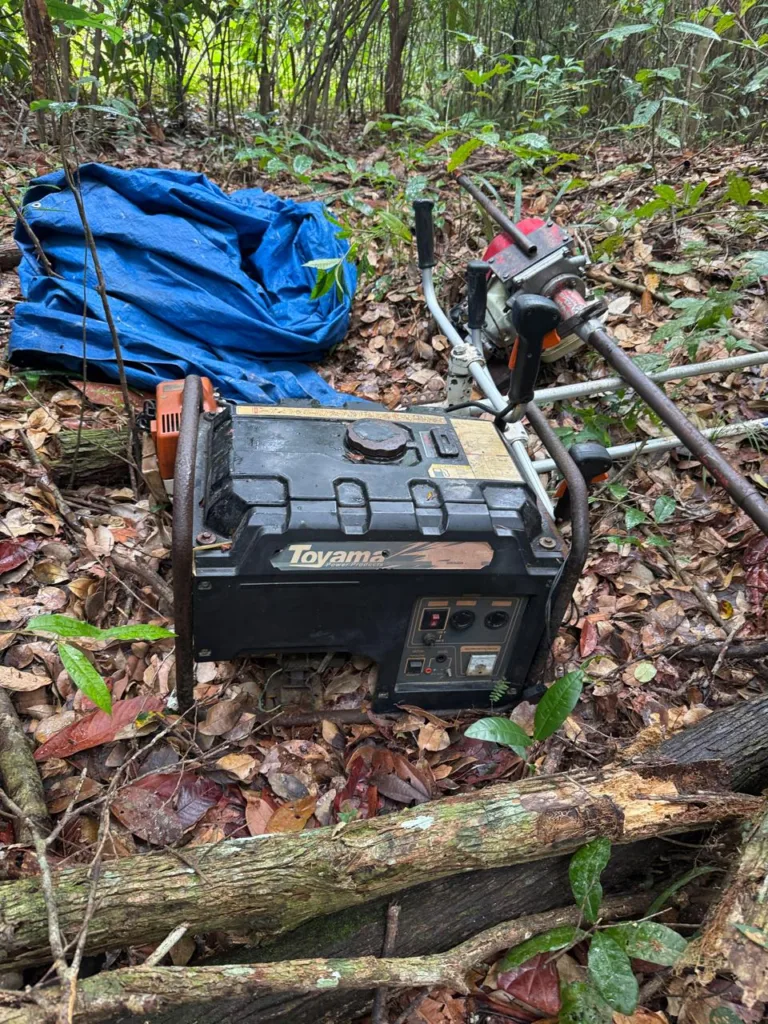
(424,539)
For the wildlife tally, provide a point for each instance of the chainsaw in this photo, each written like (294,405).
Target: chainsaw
(424,538)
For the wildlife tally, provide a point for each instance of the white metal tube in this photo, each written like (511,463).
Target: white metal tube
(667,444)
(606,384)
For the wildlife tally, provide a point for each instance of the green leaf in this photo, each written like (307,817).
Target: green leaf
(679,883)
(645,112)
(611,972)
(657,542)
(323,283)
(669,137)
(395,225)
(557,703)
(692,29)
(556,938)
(664,508)
(63,625)
(667,193)
(633,517)
(618,491)
(622,32)
(581,1003)
(72,15)
(725,1015)
(584,870)
(649,940)
(329,263)
(757,935)
(739,190)
(302,163)
(463,153)
(137,632)
(500,730)
(85,677)
(645,672)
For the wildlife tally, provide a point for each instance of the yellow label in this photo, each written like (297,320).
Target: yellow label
(487,456)
(336,414)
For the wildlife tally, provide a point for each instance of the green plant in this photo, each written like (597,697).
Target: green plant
(610,983)
(551,711)
(75,661)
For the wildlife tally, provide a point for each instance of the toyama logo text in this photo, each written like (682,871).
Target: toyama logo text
(306,554)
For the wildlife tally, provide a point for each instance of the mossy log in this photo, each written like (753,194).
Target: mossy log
(734,942)
(270,884)
(101,454)
(147,990)
(10,256)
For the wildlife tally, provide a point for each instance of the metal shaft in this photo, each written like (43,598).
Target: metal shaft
(182,543)
(743,493)
(579,550)
(507,226)
(656,445)
(604,385)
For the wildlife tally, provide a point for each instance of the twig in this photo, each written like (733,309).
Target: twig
(19,774)
(724,649)
(146,575)
(102,286)
(412,1007)
(379,1013)
(32,236)
(166,945)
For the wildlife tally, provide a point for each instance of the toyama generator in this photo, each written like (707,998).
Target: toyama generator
(425,538)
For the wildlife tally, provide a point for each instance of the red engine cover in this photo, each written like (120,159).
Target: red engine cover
(527,225)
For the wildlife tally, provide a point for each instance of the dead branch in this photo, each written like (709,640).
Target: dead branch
(145,575)
(734,939)
(18,771)
(10,255)
(254,882)
(150,989)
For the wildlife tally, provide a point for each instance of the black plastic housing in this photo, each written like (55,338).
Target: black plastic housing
(425,555)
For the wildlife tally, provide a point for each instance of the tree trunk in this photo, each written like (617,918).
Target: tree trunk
(274,883)
(100,456)
(399,27)
(42,52)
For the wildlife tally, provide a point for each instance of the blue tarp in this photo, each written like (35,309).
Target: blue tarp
(198,282)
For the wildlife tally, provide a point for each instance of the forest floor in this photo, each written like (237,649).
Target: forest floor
(673,562)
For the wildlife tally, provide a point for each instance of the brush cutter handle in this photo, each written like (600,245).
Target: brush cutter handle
(425,233)
(477,294)
(533,317)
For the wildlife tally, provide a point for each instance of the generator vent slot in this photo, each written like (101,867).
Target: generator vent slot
(170,423)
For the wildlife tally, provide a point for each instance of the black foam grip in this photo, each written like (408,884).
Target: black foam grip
(534,317)
(425,233)
(477,293)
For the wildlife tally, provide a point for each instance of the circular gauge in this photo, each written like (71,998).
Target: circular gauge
(462,619)
(496,620)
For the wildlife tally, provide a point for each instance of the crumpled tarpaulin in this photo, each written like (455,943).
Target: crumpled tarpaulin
(198,282)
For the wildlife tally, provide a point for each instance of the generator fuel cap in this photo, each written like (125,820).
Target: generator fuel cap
(377,439)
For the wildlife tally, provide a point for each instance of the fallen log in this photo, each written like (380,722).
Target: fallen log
(149,989)
(737,736)
(19,774)
(273,883)
(734,942)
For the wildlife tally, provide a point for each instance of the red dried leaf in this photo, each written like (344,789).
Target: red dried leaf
(756,566)
(534,983)
(188,794)
(14,552)
(96,728)
(589,639)
(148,816)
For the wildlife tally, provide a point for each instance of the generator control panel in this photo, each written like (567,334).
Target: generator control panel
(462,640)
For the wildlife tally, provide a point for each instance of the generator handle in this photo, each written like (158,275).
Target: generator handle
(182,542)
(577,556)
